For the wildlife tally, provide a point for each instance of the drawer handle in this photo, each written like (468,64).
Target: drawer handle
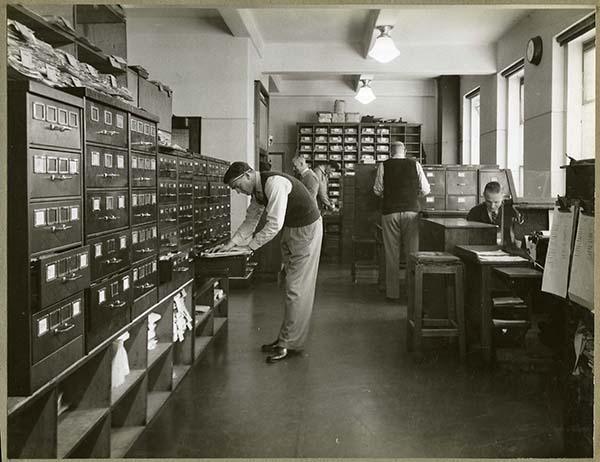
(146,250)
(187,216)
(142,215)
(182,269)
(170,169)
(170,220)
(62,330)
(71,278)
(109,175)
(171,245)
(59,177)
(113,261)
(60,128)
(146,285)
(461,184)
(185,194)
(108,218)
(186,239)
(56,229)
(117,304)
(144,143)
(142,178)
(107,132)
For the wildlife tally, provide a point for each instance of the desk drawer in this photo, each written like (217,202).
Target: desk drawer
(53,123)
(185,192)
(109,308)
(431,202)
(105,168)
(145,277)
(167,216)
(54,224)
(53,174)
(110,254)
(461,182)
(56,326)
(169,240)
(167,167)
(143,171)
(186,213)
(143,135)
(60,275)
(186,234)
(461,202)
(144,207)
(167,192)
(105,124)
(144,242)
(106,210)
(185,169)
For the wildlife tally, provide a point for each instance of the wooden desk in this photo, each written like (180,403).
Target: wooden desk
(443,234)
(479,281)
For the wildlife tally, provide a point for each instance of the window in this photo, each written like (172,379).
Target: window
(515,99)
(471,132)
(588,118)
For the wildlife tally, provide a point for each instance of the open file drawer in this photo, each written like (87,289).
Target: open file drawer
(236,265)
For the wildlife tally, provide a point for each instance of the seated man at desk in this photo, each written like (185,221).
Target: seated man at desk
(489,211)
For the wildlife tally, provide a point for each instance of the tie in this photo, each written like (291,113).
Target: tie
(494,216)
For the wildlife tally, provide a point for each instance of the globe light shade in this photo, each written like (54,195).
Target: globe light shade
(384,50)
(365,94)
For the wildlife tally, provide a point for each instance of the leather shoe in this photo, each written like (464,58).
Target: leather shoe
(279,353)
(269,347)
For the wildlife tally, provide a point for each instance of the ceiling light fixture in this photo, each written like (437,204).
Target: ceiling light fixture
(365,93)
(384,50)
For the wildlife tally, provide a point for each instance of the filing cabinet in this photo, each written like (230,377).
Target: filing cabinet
(432,203)
(186,213)
(108,308)
(106,211)
(185,168)
(53,122)
(145,285)
(54,224)
(169,240)
(105,124)
(106,167)
(175,269)
(437,180)
(201,189)
(167,216)
(144,242)
(57,276)
(143,134)
(167,191)
(167,167)
(186,234)
(143,170)
(185,191)
(110,254)
(461,181)
(143,206)
(461,203)
(53,173)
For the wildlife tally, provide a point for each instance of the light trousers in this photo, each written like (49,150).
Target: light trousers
(400,230)
(300,253)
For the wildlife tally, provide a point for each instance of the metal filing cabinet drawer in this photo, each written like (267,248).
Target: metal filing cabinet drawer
(58,276)
(461,182)
(167,216)
(105,167)
(106,211)
(199,167)
(143,135)
(53,123)
(143,170)
(200,189)
(432,203)
(175,269)
(109,308)
(167,192)
(144,207)
(186,213)
(54,224)
(53,174)
(185,169)
(144,242)
(186,234)
(463,203)
(145,277)
(437,181)
(56,326)
(185,191)
(169,240)
(110,254)
(105,124)
(198,216)
(167,167)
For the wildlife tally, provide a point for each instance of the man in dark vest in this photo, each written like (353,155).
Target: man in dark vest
(400,181)
(289,207)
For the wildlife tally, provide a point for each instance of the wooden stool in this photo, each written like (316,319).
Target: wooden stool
(420,263)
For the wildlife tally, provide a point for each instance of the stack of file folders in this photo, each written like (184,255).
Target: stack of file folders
(510,317)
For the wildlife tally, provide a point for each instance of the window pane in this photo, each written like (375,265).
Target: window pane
(589,66)
(475,133)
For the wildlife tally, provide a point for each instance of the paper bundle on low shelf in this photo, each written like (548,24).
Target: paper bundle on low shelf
(153,318)
(182,320)
(120,361)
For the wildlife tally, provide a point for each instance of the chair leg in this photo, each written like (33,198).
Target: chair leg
(460,312)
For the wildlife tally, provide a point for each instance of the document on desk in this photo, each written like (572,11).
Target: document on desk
(498,255)
(556,270)
(229,253)
(581,282)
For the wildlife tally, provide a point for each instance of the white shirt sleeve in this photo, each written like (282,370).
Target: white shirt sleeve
(243,235)
(378,186)
(277,189)
(423,183)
